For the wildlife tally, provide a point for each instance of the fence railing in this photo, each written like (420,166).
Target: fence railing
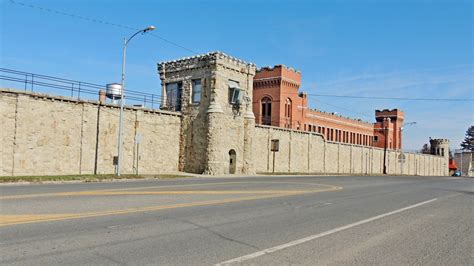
(72,88)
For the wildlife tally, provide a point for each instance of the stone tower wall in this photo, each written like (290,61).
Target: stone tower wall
(229,126)
(440,147)
(192,144)
(213,127)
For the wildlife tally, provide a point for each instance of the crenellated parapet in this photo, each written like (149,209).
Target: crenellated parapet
(271,68)
(437,142)
(205,61)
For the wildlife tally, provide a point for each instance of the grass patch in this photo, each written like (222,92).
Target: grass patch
(85,178)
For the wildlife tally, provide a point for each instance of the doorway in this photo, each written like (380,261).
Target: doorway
(232,161)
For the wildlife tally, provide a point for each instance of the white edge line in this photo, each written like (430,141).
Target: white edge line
(313,237)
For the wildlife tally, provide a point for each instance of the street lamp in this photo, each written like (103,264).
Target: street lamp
(401,130)
(401,149)
(125,43)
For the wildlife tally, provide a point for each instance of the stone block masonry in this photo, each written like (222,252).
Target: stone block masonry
(209,128)
(51,135)
(310,153)
(216,134)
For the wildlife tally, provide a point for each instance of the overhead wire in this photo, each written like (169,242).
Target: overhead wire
(345,109)
(394,98)
(99,21)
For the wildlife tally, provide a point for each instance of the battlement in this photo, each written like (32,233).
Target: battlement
(393,114)
(338,116)
(204,60)
(435,142)
(278,72)
(389,112)
(271,68)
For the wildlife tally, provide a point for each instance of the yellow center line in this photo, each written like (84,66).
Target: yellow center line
(182,192)
(60,194)
(97,192)
(6,220)
(23,219)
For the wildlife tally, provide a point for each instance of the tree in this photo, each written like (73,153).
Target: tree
(426,149)
(468,142)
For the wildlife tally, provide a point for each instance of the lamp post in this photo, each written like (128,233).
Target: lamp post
(401,150)
(120,138)
(401,130)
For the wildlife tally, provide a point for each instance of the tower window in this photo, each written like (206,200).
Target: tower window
(234,92)
(288,108)
(196,91)
(173,96)
(266,111)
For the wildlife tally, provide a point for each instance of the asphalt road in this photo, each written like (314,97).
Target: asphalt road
(262,220)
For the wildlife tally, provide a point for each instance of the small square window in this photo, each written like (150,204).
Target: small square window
(234,92)
(196,91)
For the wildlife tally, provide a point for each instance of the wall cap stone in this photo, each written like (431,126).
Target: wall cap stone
(75,100)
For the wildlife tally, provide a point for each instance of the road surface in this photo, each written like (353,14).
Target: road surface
(263,220)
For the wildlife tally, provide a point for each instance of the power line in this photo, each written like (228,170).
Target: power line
(343,108)
(394,98)
(99,21)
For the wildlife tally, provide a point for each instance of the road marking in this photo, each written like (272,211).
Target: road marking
(96,192)
(61,194)
(15,219)
(23,219)
(313,237)
(185,192)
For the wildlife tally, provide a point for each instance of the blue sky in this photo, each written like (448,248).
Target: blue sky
(416,49)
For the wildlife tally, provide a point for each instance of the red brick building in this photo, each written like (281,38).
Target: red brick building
(278,102)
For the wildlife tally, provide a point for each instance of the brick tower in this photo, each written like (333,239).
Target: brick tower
(388,128)
(277,101)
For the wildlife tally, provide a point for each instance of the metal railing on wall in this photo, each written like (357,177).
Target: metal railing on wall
(72,88)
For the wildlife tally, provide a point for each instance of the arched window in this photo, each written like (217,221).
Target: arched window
(288,121)
(266,111)
(288,107)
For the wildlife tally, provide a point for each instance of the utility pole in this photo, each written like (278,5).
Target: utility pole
(385,129)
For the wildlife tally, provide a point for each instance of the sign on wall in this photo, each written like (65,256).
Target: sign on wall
(275,145)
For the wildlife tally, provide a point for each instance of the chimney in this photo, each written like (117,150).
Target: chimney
(102,97)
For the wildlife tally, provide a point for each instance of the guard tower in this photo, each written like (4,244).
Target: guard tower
(213,92)
(388,128)
(440,147)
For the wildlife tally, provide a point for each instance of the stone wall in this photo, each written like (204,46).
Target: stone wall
(465,162)
(51,135)
(303,152)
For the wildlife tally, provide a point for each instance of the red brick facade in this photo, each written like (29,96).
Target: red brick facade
(389,123)
(278,102)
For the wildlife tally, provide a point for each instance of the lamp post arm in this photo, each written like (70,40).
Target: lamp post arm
(131,37)
(407,124)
